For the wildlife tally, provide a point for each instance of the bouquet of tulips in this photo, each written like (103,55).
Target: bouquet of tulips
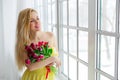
(38,52)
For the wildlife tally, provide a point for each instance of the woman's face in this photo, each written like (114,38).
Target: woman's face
(35,22)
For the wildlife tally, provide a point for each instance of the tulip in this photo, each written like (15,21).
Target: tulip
(41,56)
(34,55)
(33,46)
(27,61)
(40,43)
(38,59)
(29,50)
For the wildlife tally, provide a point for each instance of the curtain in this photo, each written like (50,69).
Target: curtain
(9,10)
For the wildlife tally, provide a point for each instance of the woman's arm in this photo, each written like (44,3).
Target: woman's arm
(41,64)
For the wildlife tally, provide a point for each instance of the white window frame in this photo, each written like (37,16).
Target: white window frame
(92,37)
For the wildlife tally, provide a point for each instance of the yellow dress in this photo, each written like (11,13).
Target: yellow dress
(39,74)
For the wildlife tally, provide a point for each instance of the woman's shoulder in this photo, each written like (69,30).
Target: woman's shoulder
(49,34)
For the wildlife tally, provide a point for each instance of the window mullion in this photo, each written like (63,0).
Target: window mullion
(77,39)
(68,35)
(92,21)
(117,40)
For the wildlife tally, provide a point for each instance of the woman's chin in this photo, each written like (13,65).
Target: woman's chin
(38,29)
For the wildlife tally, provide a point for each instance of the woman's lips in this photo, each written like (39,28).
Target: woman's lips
(37,26)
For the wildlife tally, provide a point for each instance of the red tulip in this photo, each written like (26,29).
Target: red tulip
(38,59)
(45,43)
(41,56)
(34,55)
(27,61)
(33,46)
(40,43)
(29,50)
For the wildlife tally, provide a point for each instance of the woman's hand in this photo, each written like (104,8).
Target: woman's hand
(58,62)
(51,64)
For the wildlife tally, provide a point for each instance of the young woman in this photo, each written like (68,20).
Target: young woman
(29,31)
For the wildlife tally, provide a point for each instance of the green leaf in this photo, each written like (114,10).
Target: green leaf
(46,49)
(50,51)
(34,60)
(43,49)
(36,51)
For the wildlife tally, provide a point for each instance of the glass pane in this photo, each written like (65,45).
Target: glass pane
(49,14)
(107,15)
(72,69)
(65,39)
(107,54)
(83,72)
(53,0)
(103,78)
(83,13)
(55,31)
(65,65)
(64,17)
(49,1)
(83,45)
(72,12)
(73,42)
(54,21)
(49,28)
(40,2)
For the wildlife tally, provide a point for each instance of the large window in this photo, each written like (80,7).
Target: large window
(88,37)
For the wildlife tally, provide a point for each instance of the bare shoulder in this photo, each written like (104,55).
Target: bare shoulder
(50,34)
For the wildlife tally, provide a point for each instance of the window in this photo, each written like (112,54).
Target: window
(108,40)
(88,35)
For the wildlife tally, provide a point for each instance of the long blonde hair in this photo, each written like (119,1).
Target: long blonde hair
(22,36)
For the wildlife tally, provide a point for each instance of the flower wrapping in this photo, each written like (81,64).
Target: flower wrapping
(38,52)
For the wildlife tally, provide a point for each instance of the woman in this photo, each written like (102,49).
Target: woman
(29,31)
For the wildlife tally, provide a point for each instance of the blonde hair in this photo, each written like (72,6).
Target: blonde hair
(22,36)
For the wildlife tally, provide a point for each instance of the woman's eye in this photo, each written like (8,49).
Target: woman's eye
(37,18)
(32,21)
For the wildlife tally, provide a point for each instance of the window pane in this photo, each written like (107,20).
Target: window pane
(54,21)
(40,2)
(83,72)
(49,28)
(64,16)
(72,69)
(65,65)
(72,12)
(107,54)
(73,42)
(107,15)
(83,45)
(49,1)
(55,31)
(83,13)
(103,78)
(65,39)
(49,14)
(53,0)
